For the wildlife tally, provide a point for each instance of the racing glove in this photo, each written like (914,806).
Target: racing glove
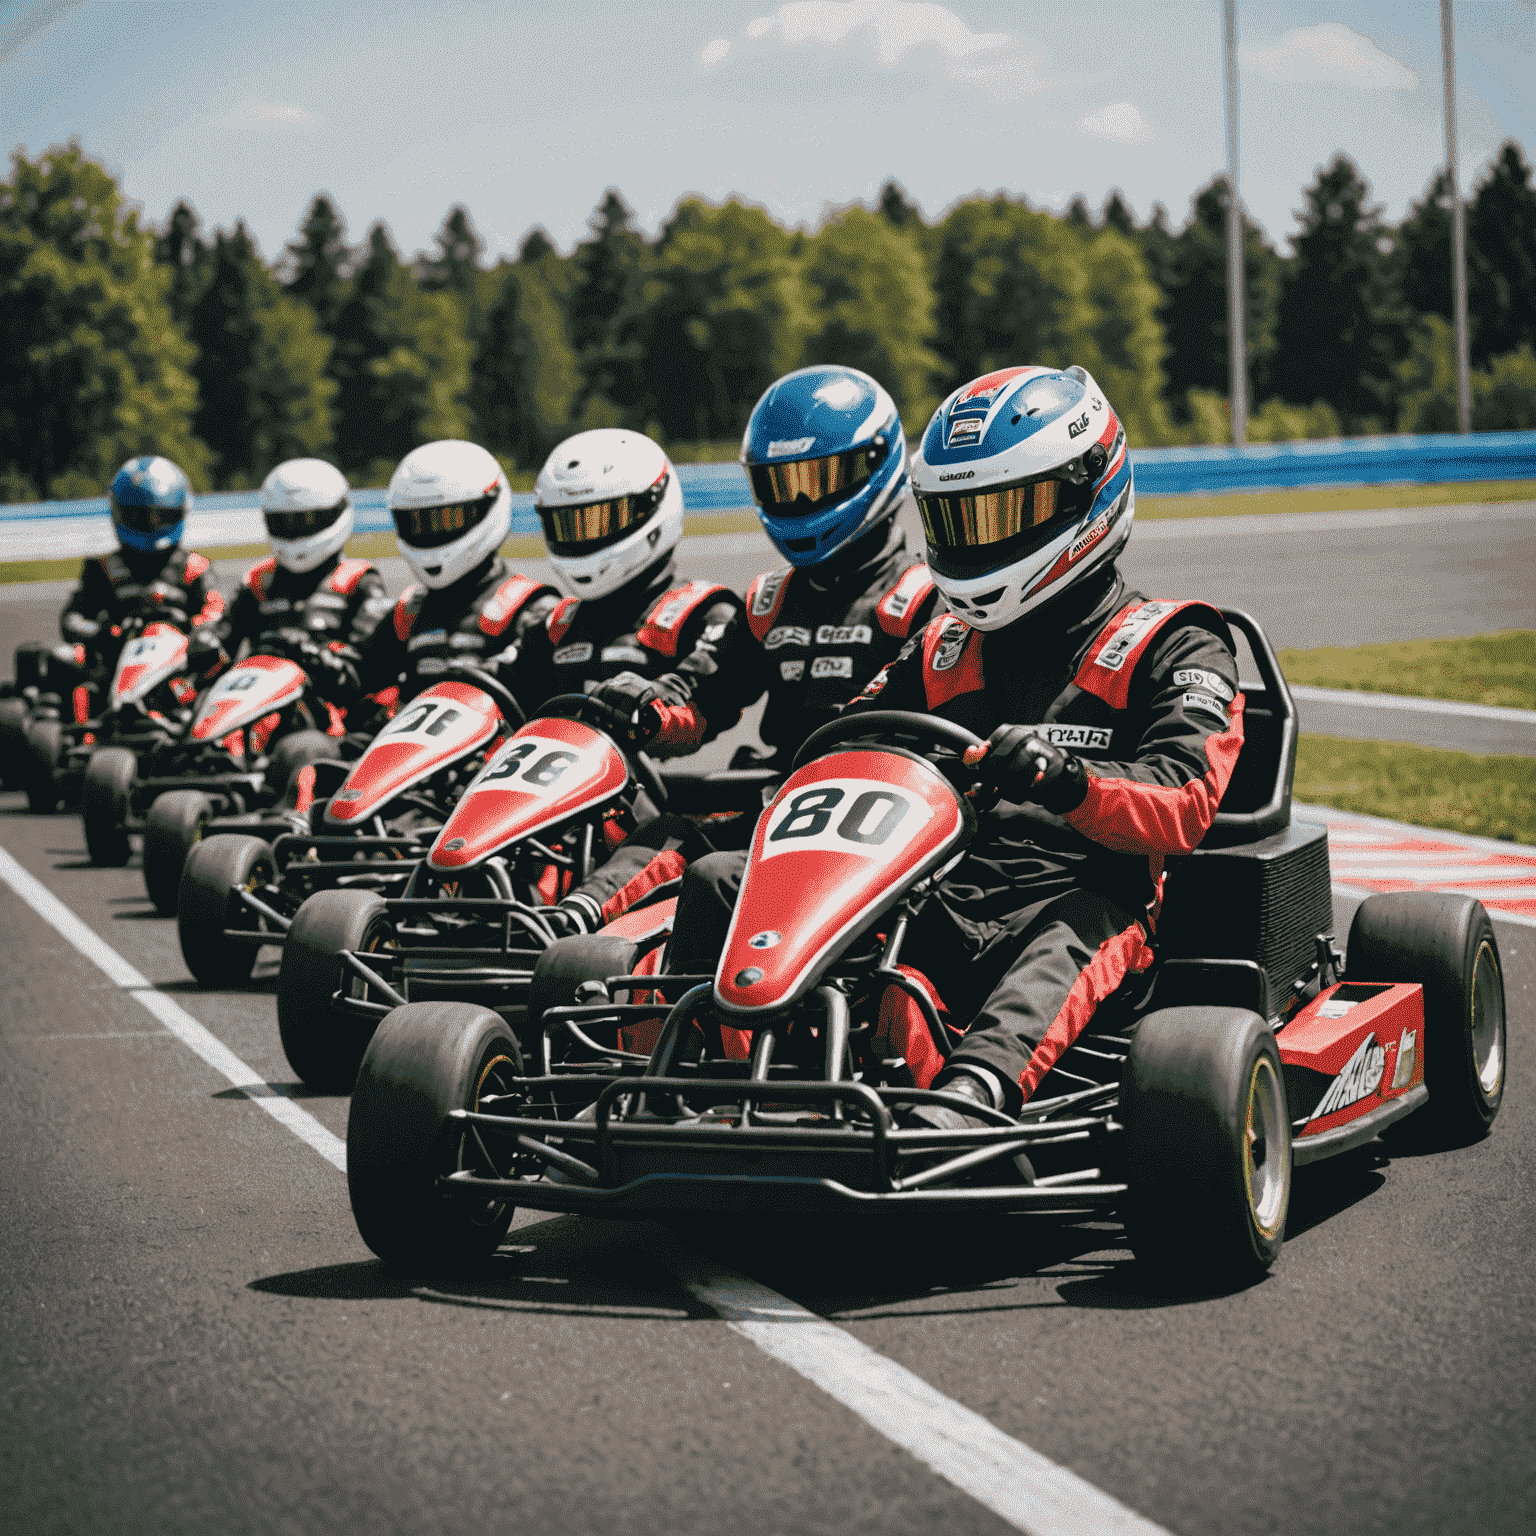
(205,655)
(1026,768)
(77,628)
(672,726)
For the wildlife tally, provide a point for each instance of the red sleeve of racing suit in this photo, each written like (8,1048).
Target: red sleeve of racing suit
(719,676)
(197,577)
(1163,800)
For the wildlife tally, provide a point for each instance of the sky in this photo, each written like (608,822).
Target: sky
(526,111)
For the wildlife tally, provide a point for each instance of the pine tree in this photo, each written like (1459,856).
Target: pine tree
(1118,216)
(897,209)
(607,277)
(181,248)
(95,368)
(1501,257)
(320,261)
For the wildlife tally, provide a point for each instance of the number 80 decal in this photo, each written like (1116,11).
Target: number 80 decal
(861,816)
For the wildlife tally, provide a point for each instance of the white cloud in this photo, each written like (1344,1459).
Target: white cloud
(1120,123)
(712,53)
(1328,54)
(253,113)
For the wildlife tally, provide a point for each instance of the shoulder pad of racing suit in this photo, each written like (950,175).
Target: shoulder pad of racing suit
(765,597)
(560,619)
(1112,659)
(344,579)
(951,660)
(406,609)
(194,566)
(259,575)
(509,600)
(664,623)
(899,607)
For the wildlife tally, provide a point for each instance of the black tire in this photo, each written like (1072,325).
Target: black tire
(1446,944)
(1208,1146)
(106,800)
(294,752)
(13,743)
(562,968)
(173,827)
(324,1047)
(206,905)
(424,1060)
(45,742)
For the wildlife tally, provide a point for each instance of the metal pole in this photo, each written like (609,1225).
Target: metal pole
(1236,284)
(1458,226)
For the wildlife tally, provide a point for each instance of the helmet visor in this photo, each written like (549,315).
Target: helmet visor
(804,486)
(432,527)
(974,528)
(303,525)
(584,529)
(146,516)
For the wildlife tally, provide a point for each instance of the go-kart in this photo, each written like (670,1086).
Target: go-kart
(250,733)
(366,827)
(783,1081)
(473,916)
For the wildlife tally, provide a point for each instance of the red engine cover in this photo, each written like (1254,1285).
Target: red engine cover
(843,840)
(548,773)
(257,686)
(447,722)
(157,655)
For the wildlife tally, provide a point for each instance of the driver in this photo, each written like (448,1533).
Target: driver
(1112,725)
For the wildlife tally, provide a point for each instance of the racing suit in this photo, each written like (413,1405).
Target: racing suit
(814,635)
(1052,907)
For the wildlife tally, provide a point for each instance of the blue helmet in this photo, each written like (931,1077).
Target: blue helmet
(827,459)
(150,498)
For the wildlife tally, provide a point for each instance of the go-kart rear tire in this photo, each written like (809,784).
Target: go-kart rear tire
(1208,1147)
(425,1060)
(13,743)
(173,827)
(44,743)
(324,1047)
(1445,943)
(568,962)
(206,905)
(106,801)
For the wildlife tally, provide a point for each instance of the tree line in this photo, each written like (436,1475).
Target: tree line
(121,338)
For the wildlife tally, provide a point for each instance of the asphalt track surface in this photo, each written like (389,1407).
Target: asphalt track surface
(192,1337)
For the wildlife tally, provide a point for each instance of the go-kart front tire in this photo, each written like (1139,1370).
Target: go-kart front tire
(173,827)
(324,1047)
(1208,1146)
(13,742)
(206,905)
(1444,942)
(105,804)
(425,1060)
(44,745)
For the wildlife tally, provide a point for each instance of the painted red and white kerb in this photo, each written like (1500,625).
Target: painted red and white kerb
(257,686)
(157,655)
(1367,855)
(550,772)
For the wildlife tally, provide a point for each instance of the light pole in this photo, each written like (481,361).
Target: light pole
(1236,284)
(1458,225)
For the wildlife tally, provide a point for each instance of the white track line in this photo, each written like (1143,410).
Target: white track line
(175,1018)
(1025,1488)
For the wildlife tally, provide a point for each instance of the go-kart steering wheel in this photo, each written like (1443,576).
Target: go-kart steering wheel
(498,693)
(593,711)
(891,727)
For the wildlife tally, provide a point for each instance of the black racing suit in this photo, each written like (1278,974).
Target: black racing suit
(1049,912)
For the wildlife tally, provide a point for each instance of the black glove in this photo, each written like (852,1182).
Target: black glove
(1023,767)
(78,628)
(630,696)
(204,653)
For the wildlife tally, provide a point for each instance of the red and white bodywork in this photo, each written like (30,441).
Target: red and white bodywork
(249,691)
(845,838)
(156,656)
(549,773)
(447,722)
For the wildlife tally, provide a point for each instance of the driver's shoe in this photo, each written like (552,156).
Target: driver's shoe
(967,1083)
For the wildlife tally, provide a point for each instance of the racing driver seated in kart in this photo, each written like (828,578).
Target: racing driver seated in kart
(827,462)
(1111,724)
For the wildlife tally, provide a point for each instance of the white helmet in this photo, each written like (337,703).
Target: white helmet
(452,509)
(611,507)
(1025,486)
(307,505)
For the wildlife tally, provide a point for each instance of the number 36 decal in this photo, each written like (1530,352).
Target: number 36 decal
(861,816)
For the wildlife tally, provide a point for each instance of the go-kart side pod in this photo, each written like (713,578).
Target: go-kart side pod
(158,654)
(250,690)
(435,729)
(551,771)
(845,838)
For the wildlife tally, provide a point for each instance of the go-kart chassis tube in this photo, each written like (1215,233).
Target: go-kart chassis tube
(257,905)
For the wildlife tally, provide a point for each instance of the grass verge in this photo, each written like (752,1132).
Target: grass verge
(1426,787)
(1334,498)
(1495,669)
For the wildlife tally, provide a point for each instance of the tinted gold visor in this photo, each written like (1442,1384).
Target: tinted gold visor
(972,521)
(574,530)
(807,484)
(432,527)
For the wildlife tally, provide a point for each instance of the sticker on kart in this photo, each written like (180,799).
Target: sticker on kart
(550,771)
(447,722)
(255,687)
(159,653)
